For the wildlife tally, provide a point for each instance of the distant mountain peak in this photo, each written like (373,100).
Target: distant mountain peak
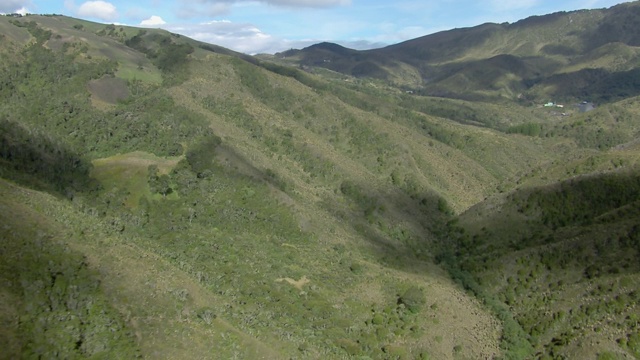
(564,55)
(332,47)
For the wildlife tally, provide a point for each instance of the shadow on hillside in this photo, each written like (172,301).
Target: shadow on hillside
(621,24)
(598,214)
(237,163)
(592,222)
(35,160)
(598,85)
(401,230)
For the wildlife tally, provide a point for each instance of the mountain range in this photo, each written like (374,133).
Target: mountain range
(566,56)
(470,194)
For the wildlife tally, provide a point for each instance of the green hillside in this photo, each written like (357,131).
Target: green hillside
(563,258)
(566,56)
(162,197)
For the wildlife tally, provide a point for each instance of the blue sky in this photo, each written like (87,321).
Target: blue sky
(255,26)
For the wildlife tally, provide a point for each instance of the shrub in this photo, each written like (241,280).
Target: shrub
(207,315)
(529,129)
(356,268)
(350,346)
(413,299)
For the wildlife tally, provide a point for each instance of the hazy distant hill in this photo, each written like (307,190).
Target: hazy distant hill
(567,56)
(162,197)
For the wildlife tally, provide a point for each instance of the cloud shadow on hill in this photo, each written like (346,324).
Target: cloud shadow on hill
(32,159)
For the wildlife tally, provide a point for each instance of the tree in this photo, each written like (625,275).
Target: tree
(152,174)
(164,185)
(158,183)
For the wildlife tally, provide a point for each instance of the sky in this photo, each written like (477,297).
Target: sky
(269,26)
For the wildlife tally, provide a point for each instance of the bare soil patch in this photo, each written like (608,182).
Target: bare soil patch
(298,284)
(108,90)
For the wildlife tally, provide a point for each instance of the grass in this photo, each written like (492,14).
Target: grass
(13,33)
(148,297)
(57,306)
(133,72)
(515,252)
(252,210)
(128,173)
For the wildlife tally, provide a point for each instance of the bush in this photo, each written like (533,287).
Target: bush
(529,129)
(207,315)
(350,346)
(172,56)
(413,299)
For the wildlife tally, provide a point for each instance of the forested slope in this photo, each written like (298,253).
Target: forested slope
(215,205)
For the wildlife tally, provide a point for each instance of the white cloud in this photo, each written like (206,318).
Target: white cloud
(361,44)
(153,21)
(292,3)
(249,39)
(191,8)
(509,5)
(23,11)
(308,3)
(242,37)
(13,6)
(98,9)
(70,5)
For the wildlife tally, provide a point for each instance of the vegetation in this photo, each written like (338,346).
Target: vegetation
(529,129)
(223,206)
(58,308)
(553,247)
(585,55)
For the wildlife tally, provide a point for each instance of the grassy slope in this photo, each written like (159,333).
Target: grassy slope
(564,150)
(147,296)
(568,278)
(341,184)
(183,257)
(52,302)
(311,192)
(570,284)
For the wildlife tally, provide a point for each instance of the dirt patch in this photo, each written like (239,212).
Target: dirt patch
(298,284)
(108,90)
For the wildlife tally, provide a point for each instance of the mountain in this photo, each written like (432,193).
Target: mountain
(162,197)
(540,248)
(566,56)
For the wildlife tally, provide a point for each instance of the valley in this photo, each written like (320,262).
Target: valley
(166,198)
